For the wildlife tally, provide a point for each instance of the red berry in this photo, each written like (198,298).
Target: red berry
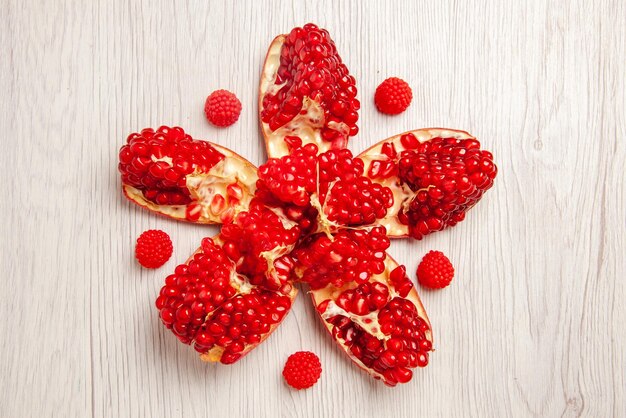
(393,96)
(154,248)
(435,270)
(302,370)
(222,108)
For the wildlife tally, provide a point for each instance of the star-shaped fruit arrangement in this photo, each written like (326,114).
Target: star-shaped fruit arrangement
(313,213)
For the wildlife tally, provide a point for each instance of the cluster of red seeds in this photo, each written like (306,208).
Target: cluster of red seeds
(408,346)
(365,298)
(336,176)
(292,178)
(253,233)
(435,270)
(157,163)
(350,256)
(153,249)
(302,370)
(449,176)
(393,96)
(195,290)
(241,321)
(357,202)
(222,108)
(310,67)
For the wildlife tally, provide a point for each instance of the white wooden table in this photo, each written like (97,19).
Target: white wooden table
(534,322)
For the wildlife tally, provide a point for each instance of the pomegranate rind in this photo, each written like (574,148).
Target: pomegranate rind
(233,169)
(402,194)
(331,292)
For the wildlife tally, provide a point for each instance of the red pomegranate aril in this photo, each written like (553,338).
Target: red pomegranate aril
(402,374)
(167,315)
(422,359)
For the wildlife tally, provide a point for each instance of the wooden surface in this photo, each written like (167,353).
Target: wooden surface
(533,324)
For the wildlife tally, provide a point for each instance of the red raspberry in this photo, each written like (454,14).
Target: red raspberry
(302,370)
(393,96)
(154,248)
(222,108)
(435,270)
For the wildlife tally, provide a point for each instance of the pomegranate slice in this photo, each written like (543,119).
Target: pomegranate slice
(329,189)
(347,256)
(233,292)
(306,93)
(172,174)
(381,323)
(436,176)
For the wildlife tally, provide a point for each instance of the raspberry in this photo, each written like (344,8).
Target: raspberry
(222,108)
(302,370)
(435,270)
(154,248)
(393,96)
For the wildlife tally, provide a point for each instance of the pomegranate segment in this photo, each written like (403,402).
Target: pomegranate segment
(259,242)
(381,323)
(345,257)
(436,176)
(240,324)
(331,183)
(306,92)
(170,173)
(209,304)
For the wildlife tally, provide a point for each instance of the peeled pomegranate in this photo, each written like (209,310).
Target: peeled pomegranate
(380,323)
(209,304)
(170,173)
(313,213)
(436,176)
(306,91)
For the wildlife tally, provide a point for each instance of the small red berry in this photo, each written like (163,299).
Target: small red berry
(302,370)
(435,270)
(154,248)
(393,96)
(222,108)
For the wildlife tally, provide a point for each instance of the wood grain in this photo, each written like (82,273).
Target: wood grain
(533,324)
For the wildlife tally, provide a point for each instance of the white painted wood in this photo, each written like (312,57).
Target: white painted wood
(533,324)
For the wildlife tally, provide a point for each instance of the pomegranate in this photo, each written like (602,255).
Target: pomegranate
(170,173)
(327,190)
(436,175)
(381,323)
(232,293)
(306,91)
(313,213)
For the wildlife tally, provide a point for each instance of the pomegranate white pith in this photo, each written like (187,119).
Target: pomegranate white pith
(217,195)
